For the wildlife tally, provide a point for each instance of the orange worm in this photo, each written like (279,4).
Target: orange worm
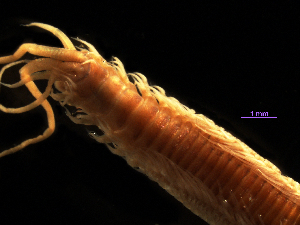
(212,173)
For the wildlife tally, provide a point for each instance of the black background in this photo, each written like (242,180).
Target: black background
(223,60)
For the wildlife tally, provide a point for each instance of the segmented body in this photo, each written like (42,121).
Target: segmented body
(211,172)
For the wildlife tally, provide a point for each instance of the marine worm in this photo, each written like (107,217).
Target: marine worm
(215,175)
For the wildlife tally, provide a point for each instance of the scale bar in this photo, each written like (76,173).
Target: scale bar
(259,117)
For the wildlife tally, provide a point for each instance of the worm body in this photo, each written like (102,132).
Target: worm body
(212,173)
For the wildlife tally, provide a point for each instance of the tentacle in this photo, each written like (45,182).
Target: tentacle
(58,33)
(35,66)
(40,50)
(32,105)
(54,56)
(8,66)
(44,75)
(47,133)
(26,78)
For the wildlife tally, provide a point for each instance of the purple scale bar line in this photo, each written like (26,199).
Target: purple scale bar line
(258,117)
